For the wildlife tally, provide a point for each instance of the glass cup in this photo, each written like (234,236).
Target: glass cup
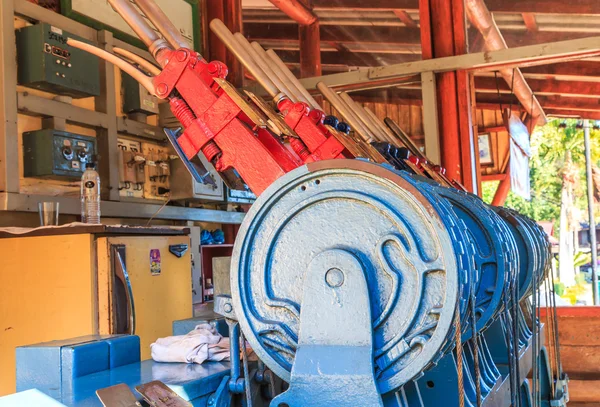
(48,213)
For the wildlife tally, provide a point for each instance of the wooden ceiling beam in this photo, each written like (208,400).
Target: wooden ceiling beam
(516,39)
(349,58)
(486,100)
(398,36)
(499,6)
(555,102)
(356,34)
(573,113)
(542,86)
(572,70)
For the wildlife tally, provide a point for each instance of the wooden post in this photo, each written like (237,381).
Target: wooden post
(216,48)
(233,21)
(443,34)
(503,190)
(310,50)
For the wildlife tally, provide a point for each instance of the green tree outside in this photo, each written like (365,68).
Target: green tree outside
(558,158)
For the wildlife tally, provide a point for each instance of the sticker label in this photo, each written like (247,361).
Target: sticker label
(56,30)
(81,144)
(67,142)
(155,262)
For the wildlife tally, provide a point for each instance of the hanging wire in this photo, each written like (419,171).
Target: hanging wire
(459,359)
(512,93)
(498,90)
(475,344)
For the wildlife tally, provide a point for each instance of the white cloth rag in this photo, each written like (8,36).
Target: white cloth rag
(201,344)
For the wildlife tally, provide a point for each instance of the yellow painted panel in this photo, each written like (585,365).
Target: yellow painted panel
(158,299)
(47,292)
(104,286)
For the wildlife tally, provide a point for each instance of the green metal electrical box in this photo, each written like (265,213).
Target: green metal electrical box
(136,98)
(46,62)
(56,154)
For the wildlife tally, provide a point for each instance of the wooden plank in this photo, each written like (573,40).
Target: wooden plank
(416,120)
(38,106)
(584,391)
(9,148)
(581,362)
(404,117)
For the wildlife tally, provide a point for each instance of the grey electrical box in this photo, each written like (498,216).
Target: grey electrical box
(185,187)
(47,62)
(136,98)
(56,154)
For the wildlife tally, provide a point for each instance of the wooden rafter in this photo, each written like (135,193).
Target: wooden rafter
(355,34)
(406,18)
(502,6)
(530,22)
(542,87)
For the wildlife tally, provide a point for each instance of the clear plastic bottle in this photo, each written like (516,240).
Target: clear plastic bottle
(90,194)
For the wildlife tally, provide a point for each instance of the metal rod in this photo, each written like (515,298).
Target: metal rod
(360,113)
(162,23)
(143,30)
(406,140)
(275,58)
(260,63)
(383,128)
(590,196)
(243,56)
(372,135)
(345,111)
(276,73)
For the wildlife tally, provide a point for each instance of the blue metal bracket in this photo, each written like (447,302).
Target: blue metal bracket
(335,349)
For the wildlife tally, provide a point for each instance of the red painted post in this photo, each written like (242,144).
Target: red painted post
(443,33)
(216,48)
(310,50)
(503,190)
(233,21)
